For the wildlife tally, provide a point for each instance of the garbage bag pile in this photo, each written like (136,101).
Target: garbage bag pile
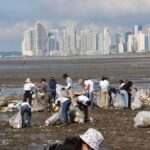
(53,119)
(145,98)
(142,119)
(59,91)
(136,104)
(37,106)
(16,120)
(76,115)
(117,101)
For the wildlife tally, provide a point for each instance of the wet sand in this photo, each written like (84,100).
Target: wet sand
(115,125)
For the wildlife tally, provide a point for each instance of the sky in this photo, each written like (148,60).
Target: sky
(16,16)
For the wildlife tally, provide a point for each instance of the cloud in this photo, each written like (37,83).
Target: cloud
(19,15)
(104,8)
(15,31)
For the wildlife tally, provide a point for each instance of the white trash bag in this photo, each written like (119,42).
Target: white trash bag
(136,104)
(142,119)
(16,121)
(117,101)
(52,119)
(59,91)
(37,106)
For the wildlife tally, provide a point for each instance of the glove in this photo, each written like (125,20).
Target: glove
(63,89)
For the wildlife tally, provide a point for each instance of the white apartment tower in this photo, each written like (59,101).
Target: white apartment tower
(100,43)
(87,41)
(35,41)
(71,32)
(149,39)
(53,40)
(136,42)
(107,42)
(40,39)
(28,46)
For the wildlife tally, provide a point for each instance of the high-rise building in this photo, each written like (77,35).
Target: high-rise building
(148,39)
(35,41)
(100,43)
(107,41)
(119,41)
(40,39)
(87,41)
(28,46)
(137,29)
(136,43)
(126,40)
(121,47)
(71,32)
(53,40)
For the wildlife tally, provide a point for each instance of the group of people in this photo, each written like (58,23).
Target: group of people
(84,99)
(106,90)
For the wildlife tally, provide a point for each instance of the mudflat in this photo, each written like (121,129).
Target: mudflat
(115,125)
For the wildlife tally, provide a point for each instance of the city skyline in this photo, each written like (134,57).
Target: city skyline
(87,41)
(17,16)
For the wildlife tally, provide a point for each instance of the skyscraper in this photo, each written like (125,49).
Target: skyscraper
(136,43)
(53,37)
(107,41)
(126,40)
(137,29)
(148,39)
(87,41)
(28,46)
(71,32)
(35,41)
(40,39)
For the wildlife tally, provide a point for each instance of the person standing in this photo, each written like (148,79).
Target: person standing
(52,84)
(125,93)
(104,94)
(27,91)
(69,87)
(47,91)
(88,85)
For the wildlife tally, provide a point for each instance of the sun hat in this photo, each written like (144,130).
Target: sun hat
(27,80)
(81,80)
(93,138)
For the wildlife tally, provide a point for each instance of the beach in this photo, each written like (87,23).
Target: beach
(116,126)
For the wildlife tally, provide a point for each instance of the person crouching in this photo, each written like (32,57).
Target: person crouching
(26,114)
(65,103)
(83,103)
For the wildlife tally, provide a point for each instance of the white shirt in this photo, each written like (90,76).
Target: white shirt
(90,85)
(25,103)
(69,83)
(122,84)
(61,100)
(103,84)
(82,98)
(28,86)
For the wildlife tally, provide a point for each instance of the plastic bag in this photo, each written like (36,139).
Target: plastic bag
(37,106)
(98,100)
(59,91)
(16,120)
(136,104)
(52,119)
(76,115)
(142,119)
(117,101)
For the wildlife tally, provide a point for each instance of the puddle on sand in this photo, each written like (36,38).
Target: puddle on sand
(5,117)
